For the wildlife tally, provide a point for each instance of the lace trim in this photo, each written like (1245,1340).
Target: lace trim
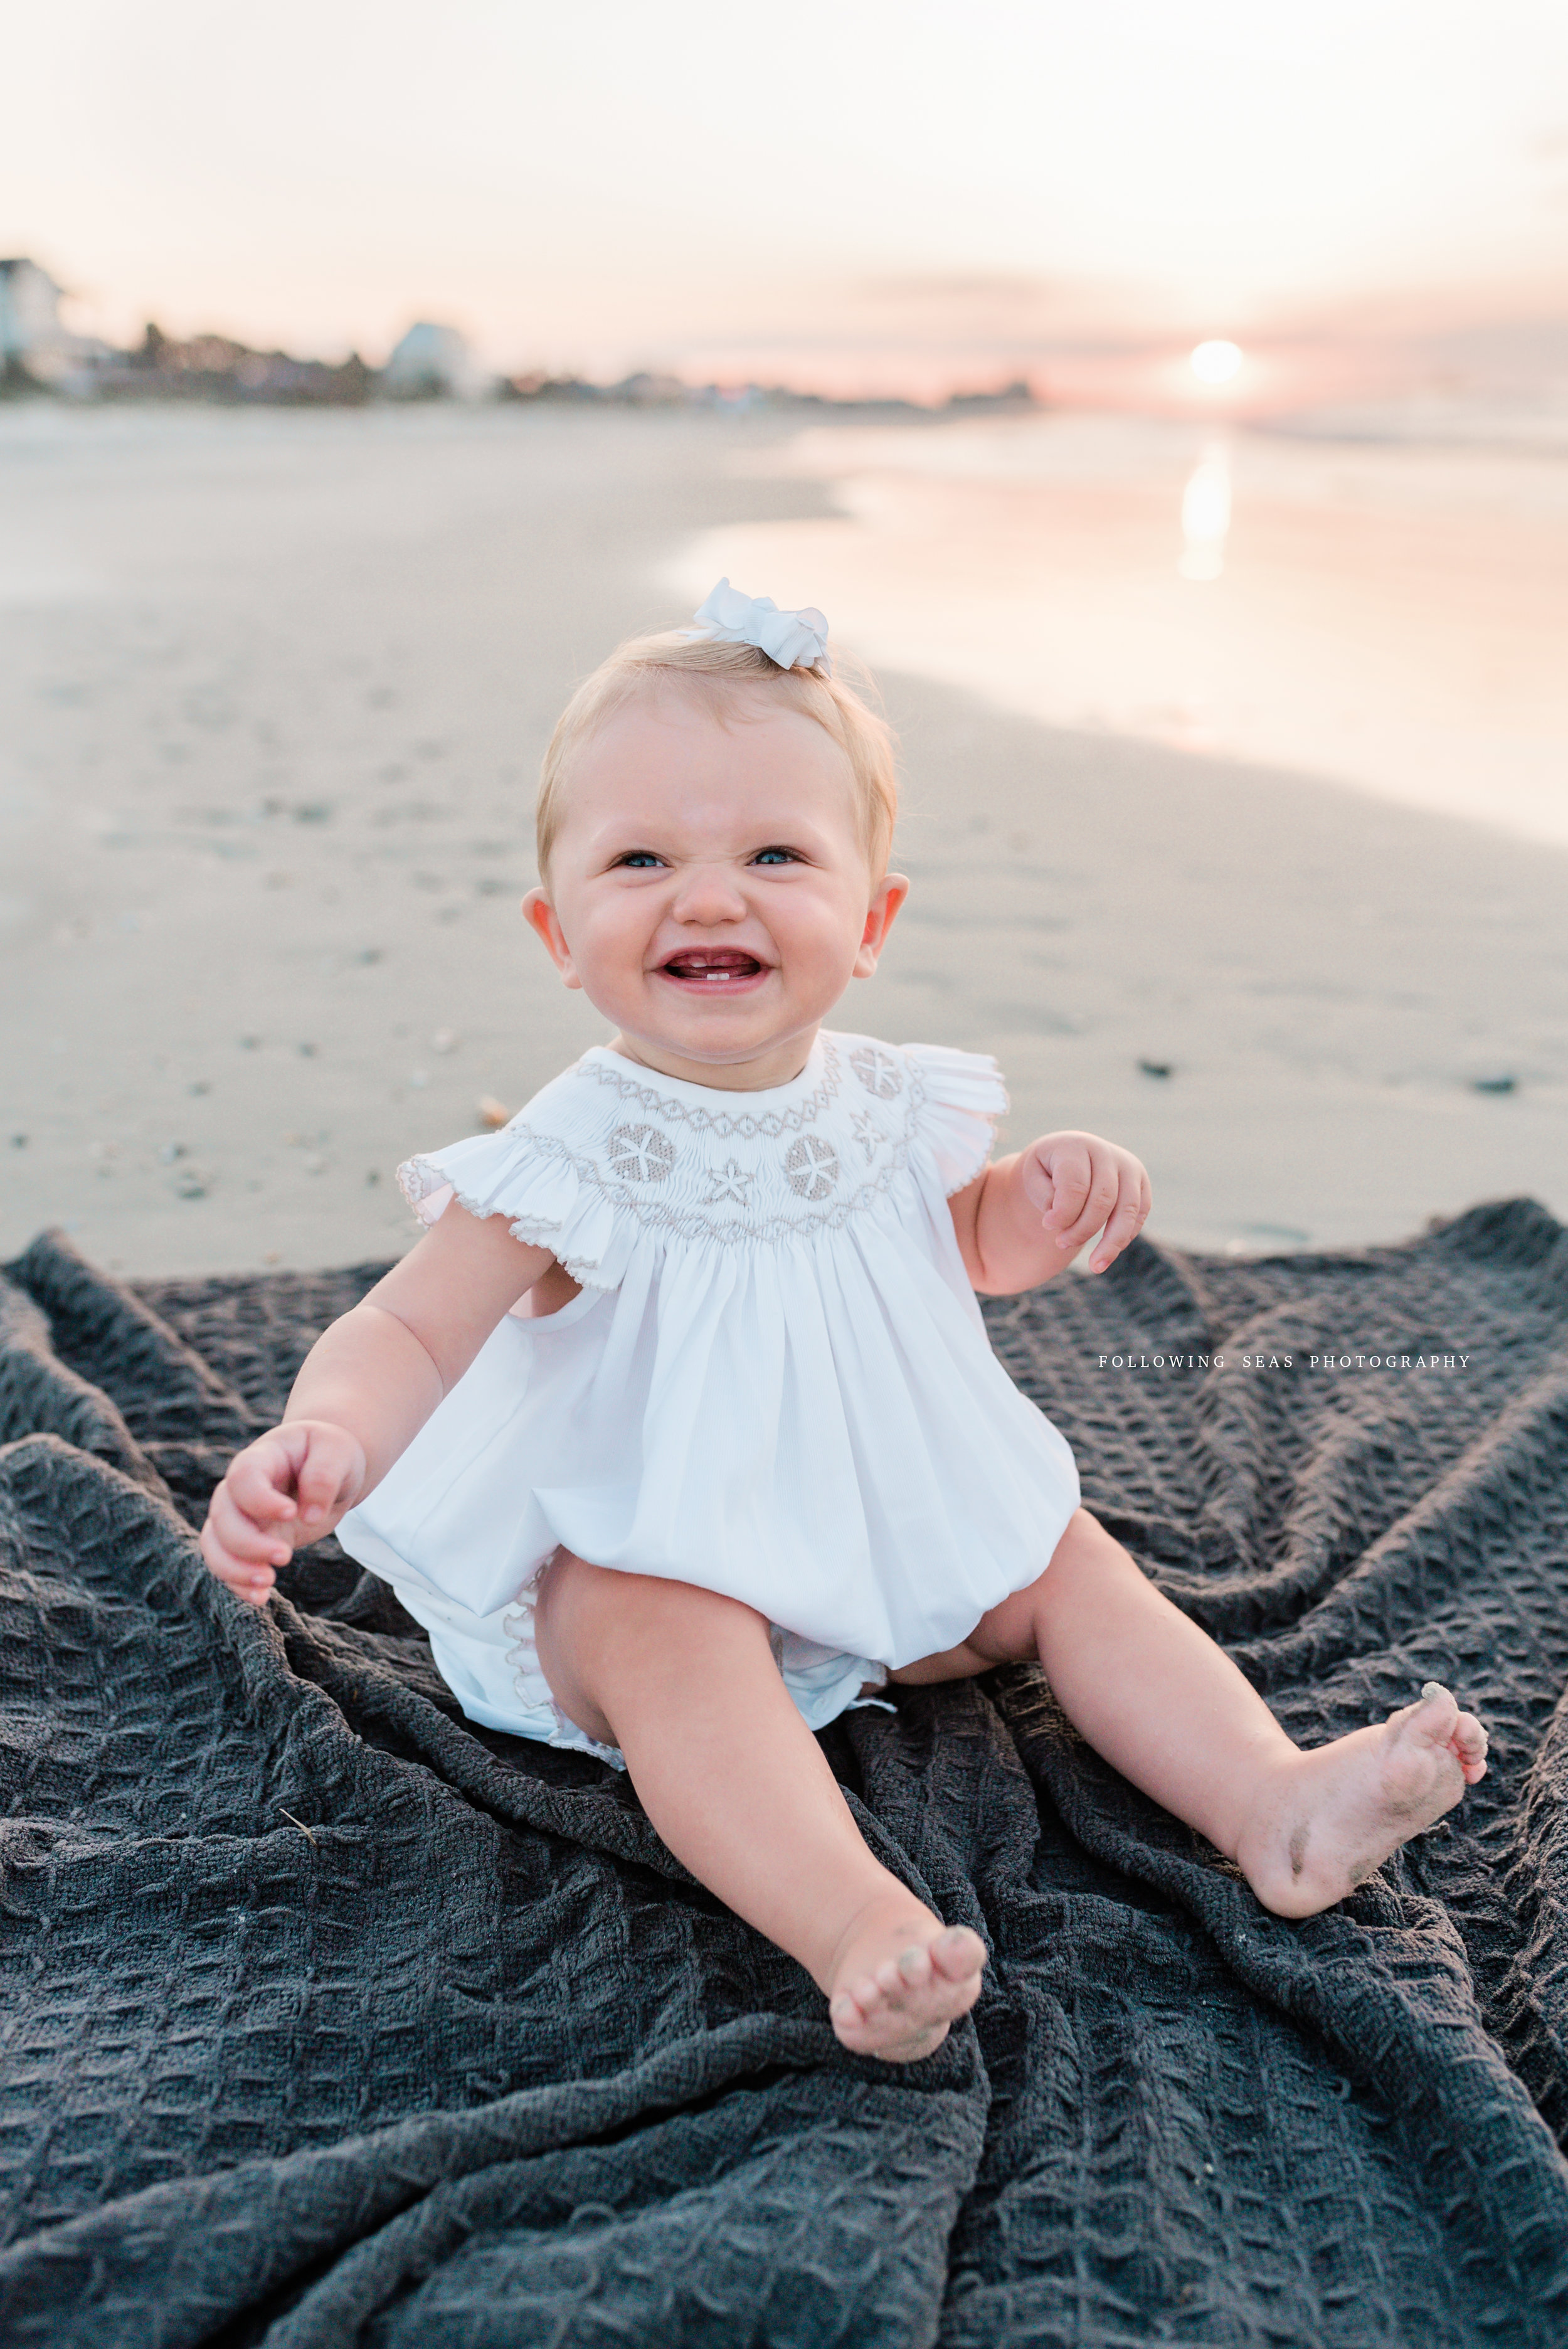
(419,1181)
(523,1656)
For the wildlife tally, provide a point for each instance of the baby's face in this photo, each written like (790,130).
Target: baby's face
(709,886)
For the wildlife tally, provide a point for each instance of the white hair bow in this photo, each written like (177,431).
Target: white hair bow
(793,639)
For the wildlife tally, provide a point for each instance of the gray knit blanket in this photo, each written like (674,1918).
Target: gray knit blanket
(328,2018)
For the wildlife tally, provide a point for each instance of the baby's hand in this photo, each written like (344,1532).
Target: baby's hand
(1083,1185)
(288,1488)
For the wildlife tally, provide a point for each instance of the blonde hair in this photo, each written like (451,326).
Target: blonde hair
(718,672)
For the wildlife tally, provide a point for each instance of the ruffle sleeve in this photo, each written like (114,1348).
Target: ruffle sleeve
(964,1096)
(539,1184)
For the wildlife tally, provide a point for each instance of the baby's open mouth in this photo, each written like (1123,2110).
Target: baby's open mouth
(712,966)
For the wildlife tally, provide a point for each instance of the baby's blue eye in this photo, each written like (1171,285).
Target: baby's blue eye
(774,856)
(639,856)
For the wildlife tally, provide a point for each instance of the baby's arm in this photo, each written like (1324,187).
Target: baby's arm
(1024,1218)
(366,1389)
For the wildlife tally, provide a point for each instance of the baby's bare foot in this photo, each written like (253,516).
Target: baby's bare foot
(1337,1812)
(900,1980)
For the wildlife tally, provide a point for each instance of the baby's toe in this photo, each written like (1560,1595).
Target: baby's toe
(1469,1744)
(855,2013)
(1433,1716)
(914,1967)
(957,1953)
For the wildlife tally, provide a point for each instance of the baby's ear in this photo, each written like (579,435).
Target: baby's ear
(541,917)
(886,898)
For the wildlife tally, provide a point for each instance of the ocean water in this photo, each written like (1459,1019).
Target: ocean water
(1388,612)
(273,689)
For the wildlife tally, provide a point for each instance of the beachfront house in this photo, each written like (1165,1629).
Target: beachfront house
(32,339)
(35,347)
(431,362)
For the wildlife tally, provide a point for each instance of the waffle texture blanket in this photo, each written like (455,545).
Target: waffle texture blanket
(327,2019)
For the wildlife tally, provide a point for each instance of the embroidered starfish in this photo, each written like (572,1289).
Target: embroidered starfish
(728,1182)
(868,1133)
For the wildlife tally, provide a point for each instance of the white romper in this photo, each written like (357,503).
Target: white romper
(776,1382)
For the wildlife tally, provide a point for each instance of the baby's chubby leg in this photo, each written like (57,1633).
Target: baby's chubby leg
(1165,1705)
(684,1681)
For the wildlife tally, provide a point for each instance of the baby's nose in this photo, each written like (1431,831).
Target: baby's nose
(709,893)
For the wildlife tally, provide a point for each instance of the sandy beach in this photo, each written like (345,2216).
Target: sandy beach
(272,693)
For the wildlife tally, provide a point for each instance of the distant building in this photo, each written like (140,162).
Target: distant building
(646,389)
(573,390)
(432,362)
(35,347)
(217,368)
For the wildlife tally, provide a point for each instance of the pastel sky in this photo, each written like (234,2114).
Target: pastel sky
(608,183)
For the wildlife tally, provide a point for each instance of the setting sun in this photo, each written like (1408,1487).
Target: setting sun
(1216,362)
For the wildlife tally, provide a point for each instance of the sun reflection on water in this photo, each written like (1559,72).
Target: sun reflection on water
(1206,515)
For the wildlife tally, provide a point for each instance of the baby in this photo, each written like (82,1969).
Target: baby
(679,1429)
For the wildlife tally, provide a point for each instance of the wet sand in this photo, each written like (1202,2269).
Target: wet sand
(272,693)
